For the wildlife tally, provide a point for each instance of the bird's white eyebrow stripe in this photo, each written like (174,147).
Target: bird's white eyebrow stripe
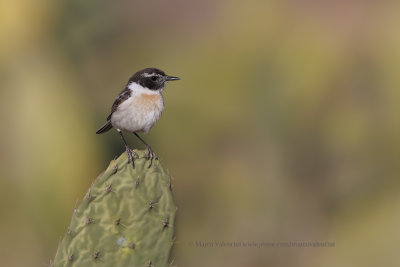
(149,74)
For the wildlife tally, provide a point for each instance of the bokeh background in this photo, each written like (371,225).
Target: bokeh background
(284,127)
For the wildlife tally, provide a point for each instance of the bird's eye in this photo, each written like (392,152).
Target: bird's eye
(154,78)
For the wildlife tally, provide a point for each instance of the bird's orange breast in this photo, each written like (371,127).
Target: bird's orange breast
(149,102)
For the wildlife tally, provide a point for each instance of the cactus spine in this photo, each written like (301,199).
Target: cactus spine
(125,219)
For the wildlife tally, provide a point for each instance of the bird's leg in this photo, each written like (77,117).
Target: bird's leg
(150,152)
(129,151)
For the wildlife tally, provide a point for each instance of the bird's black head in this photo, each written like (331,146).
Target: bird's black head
(152,78)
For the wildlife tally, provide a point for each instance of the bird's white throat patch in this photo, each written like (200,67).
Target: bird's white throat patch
(137,89)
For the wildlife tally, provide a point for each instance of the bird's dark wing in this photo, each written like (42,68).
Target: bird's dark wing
(124,95)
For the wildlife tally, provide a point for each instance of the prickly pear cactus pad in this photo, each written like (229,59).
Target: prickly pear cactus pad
(125,219)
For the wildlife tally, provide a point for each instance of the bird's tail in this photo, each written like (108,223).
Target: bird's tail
(106,127)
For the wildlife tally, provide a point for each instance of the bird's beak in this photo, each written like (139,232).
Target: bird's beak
(172,78)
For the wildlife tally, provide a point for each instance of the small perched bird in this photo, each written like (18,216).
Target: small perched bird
(138,107)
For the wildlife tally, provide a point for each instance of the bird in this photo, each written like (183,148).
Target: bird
(138,107)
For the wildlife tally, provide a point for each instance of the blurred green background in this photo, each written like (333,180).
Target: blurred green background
(284,127)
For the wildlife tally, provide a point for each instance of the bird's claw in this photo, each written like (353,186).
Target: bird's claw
(131,155)
(151,155)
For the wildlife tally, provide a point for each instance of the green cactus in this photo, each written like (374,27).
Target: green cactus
(126,219)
